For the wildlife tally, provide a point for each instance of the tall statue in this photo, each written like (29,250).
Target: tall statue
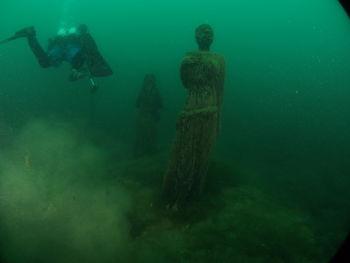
(148,103)
(203,75)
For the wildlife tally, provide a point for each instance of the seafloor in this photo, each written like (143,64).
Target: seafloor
(67,199)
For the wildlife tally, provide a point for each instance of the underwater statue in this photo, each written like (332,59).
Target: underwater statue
(6,135)
(148,103)
(202,74)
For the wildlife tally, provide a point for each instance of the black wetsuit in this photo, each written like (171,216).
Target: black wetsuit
(80,50)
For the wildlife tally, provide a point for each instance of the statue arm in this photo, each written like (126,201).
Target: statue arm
(221,83)
(159,100)
(185,71)
(138,100)
(183,74)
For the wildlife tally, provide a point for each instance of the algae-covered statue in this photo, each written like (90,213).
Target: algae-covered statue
(148,103)
(202,74)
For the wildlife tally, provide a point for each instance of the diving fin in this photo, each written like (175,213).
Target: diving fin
(8,40)
(346,6)
(25,32)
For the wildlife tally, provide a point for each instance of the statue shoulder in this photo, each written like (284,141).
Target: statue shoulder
(220,59)
(191,55)
(218,56)
(204,57)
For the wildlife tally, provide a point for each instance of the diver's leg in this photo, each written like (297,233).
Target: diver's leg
(38,51)
(40,54)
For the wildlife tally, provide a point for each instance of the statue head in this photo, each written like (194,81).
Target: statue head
(204,36)
(149,81)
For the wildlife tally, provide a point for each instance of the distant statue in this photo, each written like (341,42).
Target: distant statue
(148,103)
(202,74)
(6,135)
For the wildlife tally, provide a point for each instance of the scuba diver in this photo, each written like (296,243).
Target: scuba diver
(73,45)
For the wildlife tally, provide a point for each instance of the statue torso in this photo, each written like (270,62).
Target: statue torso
(202,73)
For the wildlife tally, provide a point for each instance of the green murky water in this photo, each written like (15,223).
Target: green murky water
(278,181)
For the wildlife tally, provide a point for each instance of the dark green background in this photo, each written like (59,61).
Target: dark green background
(286,107)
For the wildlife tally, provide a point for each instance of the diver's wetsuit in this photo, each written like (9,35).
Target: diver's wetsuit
(79,50)
(61,48)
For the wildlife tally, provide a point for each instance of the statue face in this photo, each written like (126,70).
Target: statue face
(204,36)
(149,81)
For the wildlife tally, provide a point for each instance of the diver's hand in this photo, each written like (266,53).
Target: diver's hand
(75,75)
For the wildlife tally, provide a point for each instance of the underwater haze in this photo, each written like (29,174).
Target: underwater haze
(279,175)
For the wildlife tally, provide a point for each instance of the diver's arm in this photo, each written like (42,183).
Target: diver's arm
(76,74)
(78,71)
(96,64)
